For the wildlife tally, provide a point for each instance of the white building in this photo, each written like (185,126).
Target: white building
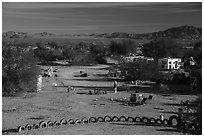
(169,63)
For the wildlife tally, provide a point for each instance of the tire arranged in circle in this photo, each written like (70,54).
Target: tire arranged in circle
(123,119)
(152,120)
(92,120)
(174,120)
(84,120)
(158,121)
(100,119)
(35,126)
(28,127)
(20,128)
(115,119)
(50,124)
(43,124)
(165,122)
(107,118)
(71,122)
(130,119)
(78,121)
(145,120)
(138,119)
(63,122)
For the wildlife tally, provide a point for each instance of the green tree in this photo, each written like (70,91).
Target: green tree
(140,70)
(162,48)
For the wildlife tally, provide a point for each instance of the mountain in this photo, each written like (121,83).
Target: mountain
(13,34)
(182,32)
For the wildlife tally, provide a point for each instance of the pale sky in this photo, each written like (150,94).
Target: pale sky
(75,18)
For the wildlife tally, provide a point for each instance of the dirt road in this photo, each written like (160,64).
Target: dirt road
(56,103)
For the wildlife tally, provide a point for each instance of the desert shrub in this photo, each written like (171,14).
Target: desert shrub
(19,70)
(123,47)
(162,48)
(140,70)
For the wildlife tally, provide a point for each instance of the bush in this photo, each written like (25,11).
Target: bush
(140,70)
(19,70)
(124,47)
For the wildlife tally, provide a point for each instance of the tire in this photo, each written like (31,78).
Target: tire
(63,122)
(85,120)
(77,121)
(107,118)
(35,126)
(158,121)
(123,117)
(115,119)
(130,119)
(20,128)
(100,119)
(145,120)
(172,120)
(165,122)
(50,124)
(92,120)
(71,122)
(138,119)
(42,124)
(152,120)
(28,127)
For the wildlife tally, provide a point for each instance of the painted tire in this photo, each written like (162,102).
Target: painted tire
(20,128)
(50,124)
(28,127)
(107,118)
(145,120)
(158,121)
(63,122)
(152,120)
(92,120)
(174,120)
(42,124)
(130,119)
(100,119)
(123,119)
(71,122)
(35,126)
(77,121)
(56,123)
(84,120)
(165,122)
(115,119)
(138,119)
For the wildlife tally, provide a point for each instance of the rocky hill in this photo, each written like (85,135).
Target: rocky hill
(182,32)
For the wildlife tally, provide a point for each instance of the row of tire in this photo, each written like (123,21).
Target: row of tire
(107,118)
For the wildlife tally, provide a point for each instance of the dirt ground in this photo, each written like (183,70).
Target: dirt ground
(56,103)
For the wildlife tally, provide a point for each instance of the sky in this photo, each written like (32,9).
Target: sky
(77,18)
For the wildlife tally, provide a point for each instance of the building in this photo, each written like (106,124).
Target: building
(136,58)
(169,63)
